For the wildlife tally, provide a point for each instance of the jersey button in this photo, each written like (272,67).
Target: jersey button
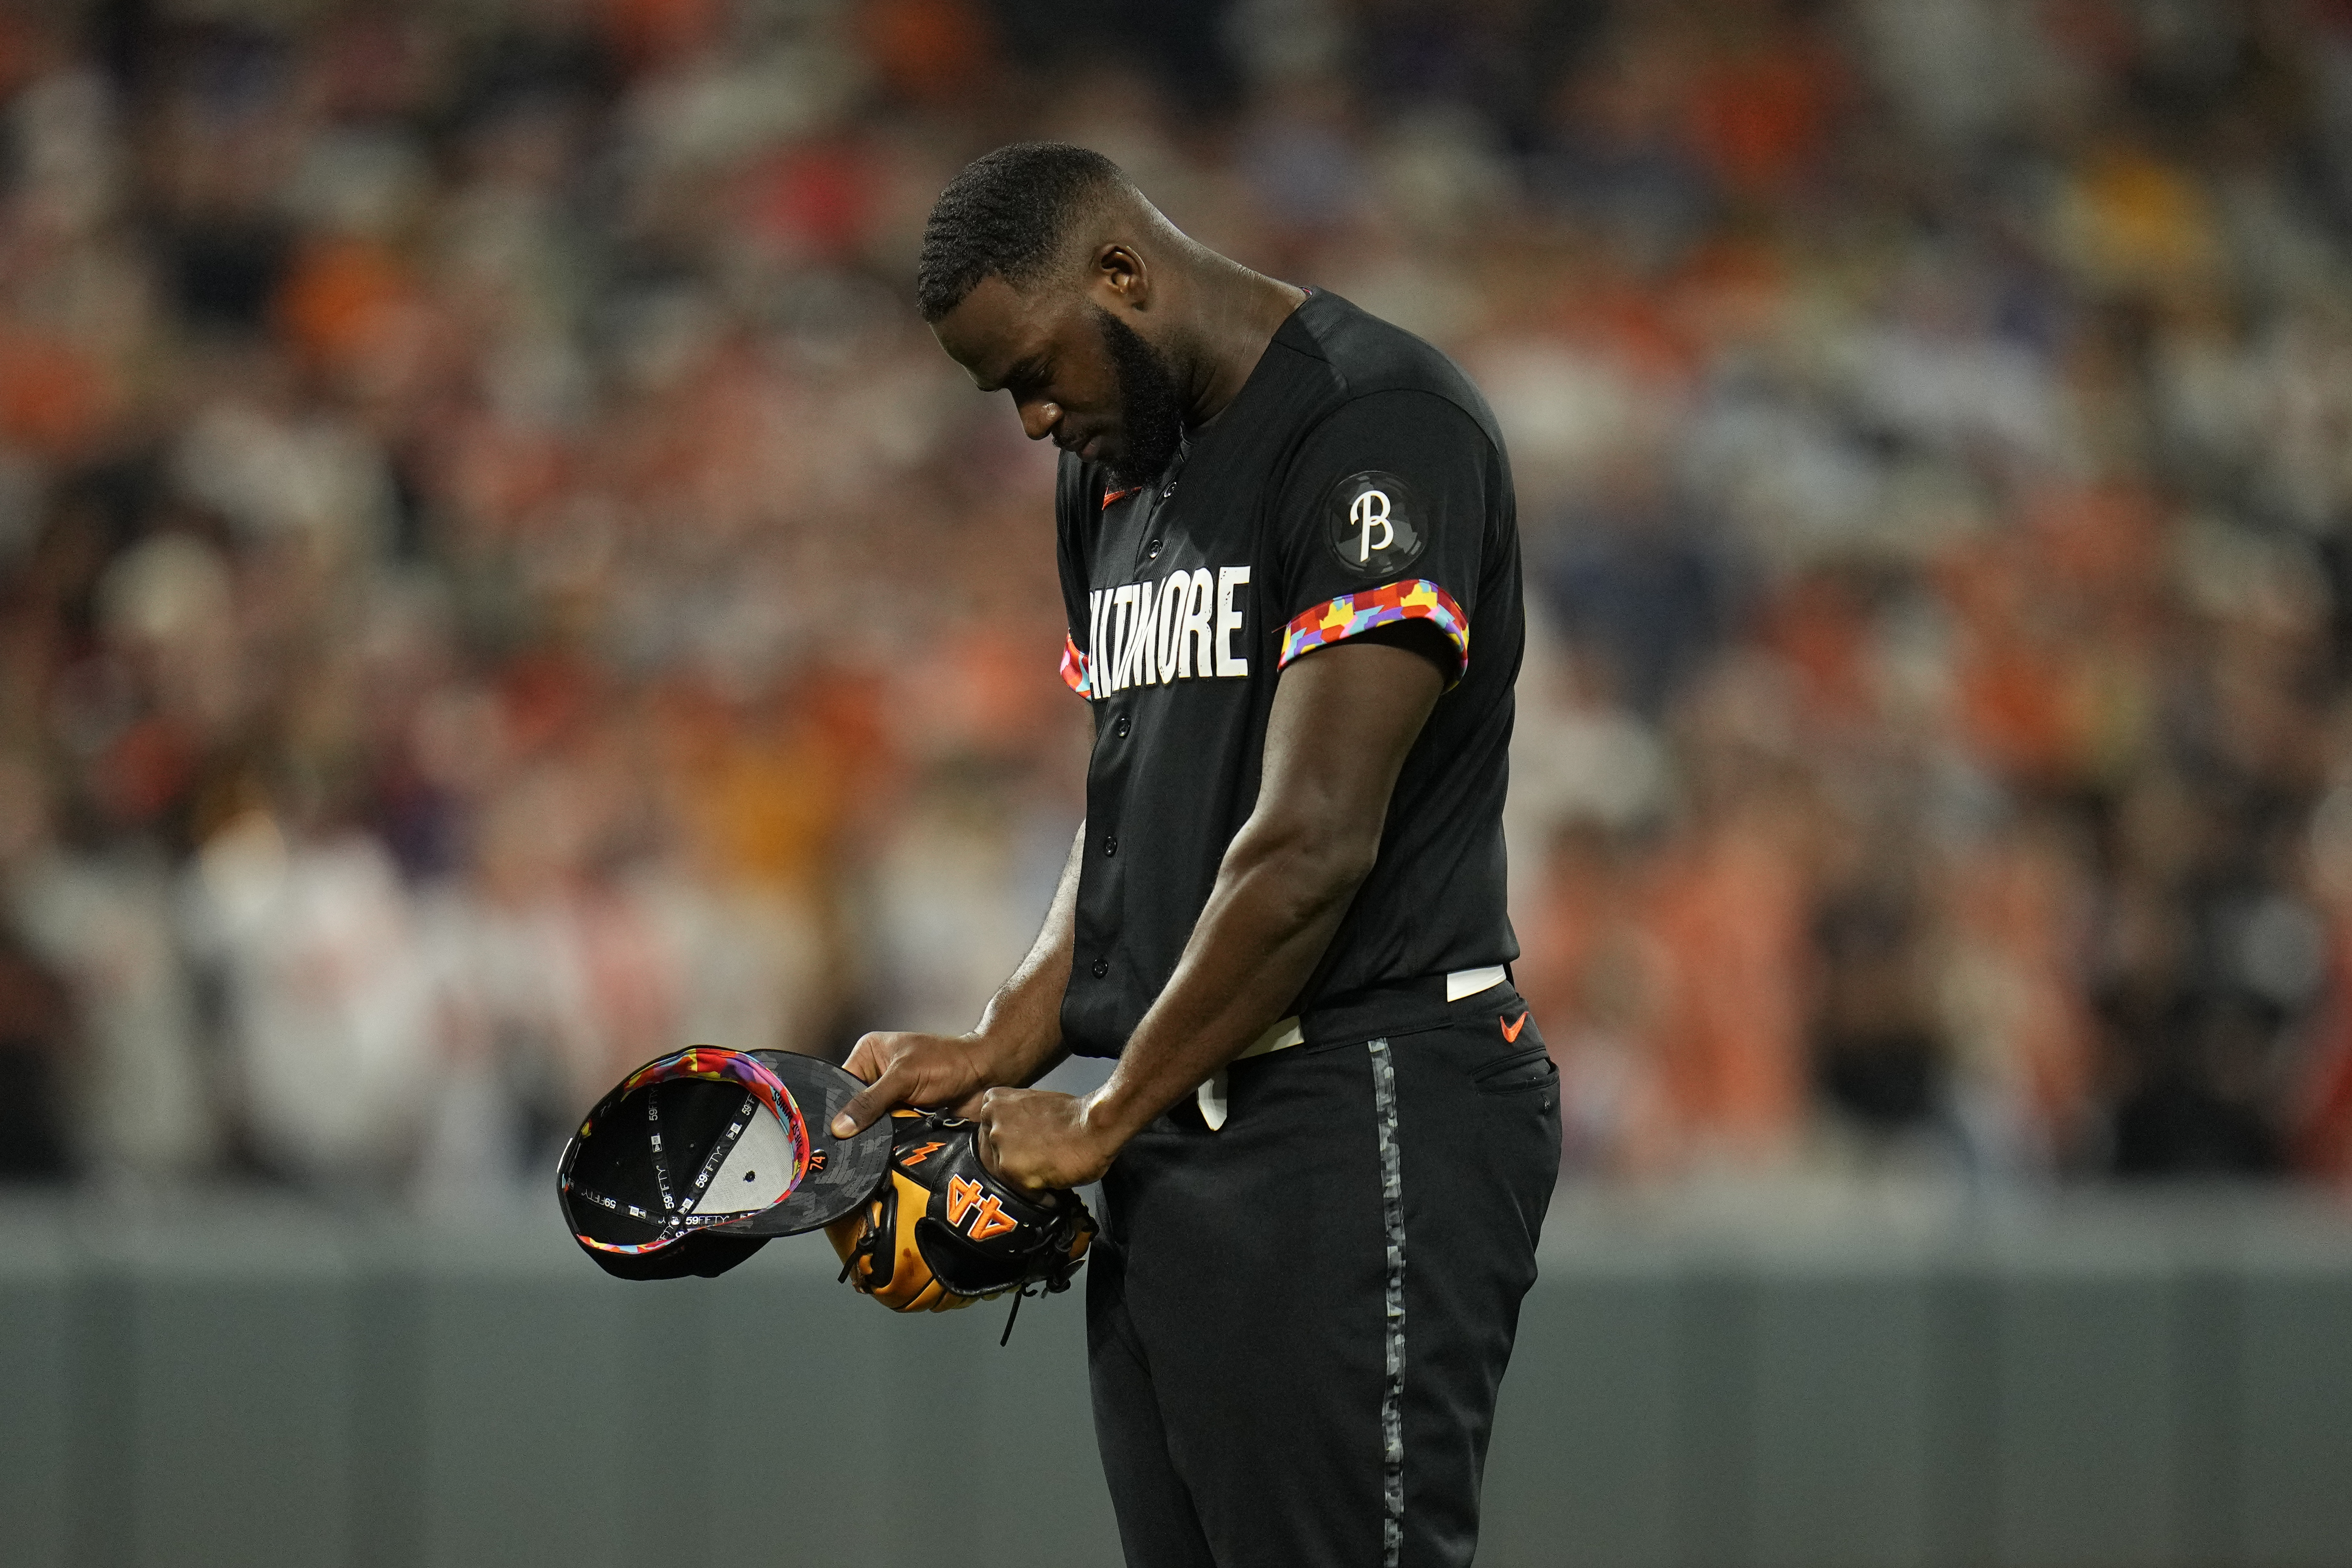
(1151,550)
(1120,727)
(1110,843)
(1101,967)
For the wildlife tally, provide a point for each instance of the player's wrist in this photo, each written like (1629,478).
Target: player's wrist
(1109,1115)
(1005,1058)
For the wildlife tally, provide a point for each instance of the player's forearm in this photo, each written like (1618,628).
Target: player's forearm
(1342,722)
(1020,1031)
(1280,895)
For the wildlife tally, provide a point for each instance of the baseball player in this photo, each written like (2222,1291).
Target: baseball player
(1290,563)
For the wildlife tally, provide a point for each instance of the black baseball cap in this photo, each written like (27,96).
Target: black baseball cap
(697,1158)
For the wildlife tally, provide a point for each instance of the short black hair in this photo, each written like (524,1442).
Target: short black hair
(1006,214)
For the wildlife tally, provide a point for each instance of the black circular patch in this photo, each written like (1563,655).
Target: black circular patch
(1375,523)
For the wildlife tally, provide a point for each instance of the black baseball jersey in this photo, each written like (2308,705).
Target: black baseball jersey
(1357,481)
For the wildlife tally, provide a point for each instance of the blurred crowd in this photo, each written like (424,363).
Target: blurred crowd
(496,581)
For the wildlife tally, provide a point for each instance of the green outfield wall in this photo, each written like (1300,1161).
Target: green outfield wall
(1789,1379)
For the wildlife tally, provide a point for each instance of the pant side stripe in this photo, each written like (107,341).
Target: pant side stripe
(1384,1107)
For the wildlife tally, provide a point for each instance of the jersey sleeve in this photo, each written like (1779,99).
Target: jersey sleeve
(1382,521)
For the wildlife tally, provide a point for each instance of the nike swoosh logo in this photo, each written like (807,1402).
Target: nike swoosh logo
(1110,496)
(1511,1031)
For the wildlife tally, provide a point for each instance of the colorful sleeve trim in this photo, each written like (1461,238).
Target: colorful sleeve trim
(1352,614)
(1074,665)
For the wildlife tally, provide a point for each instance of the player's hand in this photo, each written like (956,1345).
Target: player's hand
(932,1070)
(1035,1139)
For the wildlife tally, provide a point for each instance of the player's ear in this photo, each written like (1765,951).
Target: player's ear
(1120,272)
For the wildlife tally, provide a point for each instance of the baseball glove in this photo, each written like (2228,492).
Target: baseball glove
(941,1232)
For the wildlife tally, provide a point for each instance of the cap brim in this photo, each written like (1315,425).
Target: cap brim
(849,1169)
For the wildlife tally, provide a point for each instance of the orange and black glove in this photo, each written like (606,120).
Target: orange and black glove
(940,1232)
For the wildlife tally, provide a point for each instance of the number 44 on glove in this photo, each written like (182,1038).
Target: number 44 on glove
(942,1232)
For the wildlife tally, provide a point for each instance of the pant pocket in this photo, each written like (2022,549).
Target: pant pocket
(1517,1073)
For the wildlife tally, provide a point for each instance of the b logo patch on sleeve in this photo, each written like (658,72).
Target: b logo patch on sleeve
(1375,523)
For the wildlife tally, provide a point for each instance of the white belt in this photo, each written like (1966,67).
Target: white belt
(1287,1033)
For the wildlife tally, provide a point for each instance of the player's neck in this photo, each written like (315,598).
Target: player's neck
(1236,315)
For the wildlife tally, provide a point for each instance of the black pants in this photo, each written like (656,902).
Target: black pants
(1296,1325)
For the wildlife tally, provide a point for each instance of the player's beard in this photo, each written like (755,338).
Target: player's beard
(1151,403)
